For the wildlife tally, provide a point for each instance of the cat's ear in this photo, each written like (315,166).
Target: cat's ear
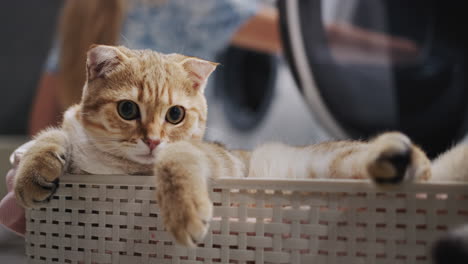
(198,71)
(102,60)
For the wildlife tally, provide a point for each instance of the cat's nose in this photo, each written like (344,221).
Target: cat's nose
(152,144)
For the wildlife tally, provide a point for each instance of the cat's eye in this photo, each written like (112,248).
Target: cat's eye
(128,110)
(175,114)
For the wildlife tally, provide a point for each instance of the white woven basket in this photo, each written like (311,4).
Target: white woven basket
(115,219)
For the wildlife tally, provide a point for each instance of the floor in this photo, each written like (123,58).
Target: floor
(11,247)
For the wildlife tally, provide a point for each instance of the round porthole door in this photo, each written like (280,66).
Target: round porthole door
(245,83)
(368,66)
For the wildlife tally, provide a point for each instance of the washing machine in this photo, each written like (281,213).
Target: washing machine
(253,99)
(368,66)
(353,69)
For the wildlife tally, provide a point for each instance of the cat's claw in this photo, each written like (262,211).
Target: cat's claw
(37,177)
(34,194)
(399,162)
(49,188)
(189,232)
(390,159)
(186,219)
(35,191)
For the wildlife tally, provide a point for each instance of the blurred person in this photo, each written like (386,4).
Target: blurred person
(201,28)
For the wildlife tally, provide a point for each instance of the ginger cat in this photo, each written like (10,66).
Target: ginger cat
(143,112)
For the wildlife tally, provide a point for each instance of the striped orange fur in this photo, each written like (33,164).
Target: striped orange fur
(103,135)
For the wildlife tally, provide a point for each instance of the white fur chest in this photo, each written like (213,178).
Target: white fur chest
(84,156)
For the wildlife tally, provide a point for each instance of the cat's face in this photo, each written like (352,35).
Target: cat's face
(134,102)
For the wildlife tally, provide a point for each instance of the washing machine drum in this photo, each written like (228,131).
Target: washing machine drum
(367,66)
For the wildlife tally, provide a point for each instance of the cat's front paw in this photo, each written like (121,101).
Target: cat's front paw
(38,173)
(393,159)
(186,217)
(184,201)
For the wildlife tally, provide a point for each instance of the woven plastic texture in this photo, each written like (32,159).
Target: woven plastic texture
(115,219)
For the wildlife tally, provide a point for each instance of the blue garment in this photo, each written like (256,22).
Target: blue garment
(200,28)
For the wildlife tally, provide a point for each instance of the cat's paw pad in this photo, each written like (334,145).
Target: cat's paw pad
(390,158)
(36,191)
(37,178)
(187,219)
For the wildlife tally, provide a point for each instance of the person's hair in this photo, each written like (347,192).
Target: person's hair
(83,23)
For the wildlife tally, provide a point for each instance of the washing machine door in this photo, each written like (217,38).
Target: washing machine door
(367,66)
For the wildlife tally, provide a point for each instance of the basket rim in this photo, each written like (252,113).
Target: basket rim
(338,185)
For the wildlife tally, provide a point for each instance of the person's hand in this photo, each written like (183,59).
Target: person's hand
(11,213)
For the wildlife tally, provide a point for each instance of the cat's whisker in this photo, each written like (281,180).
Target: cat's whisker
(100,141)
(126,40)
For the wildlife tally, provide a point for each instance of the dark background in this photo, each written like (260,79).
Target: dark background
(26,32)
